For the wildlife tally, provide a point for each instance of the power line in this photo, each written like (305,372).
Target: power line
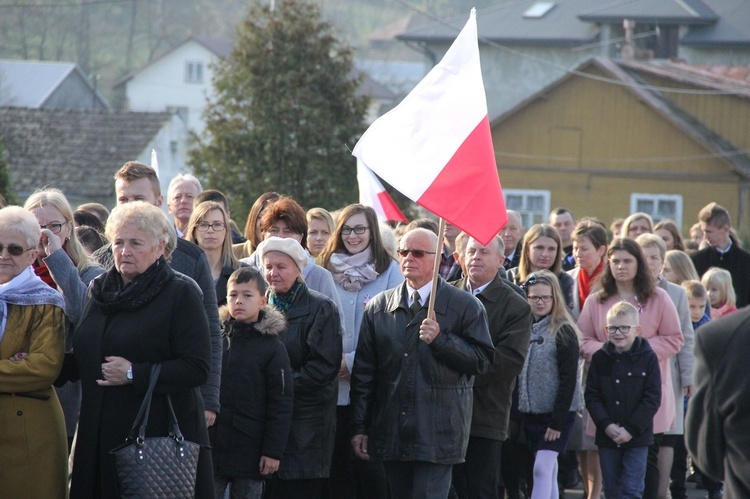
(82,3)
(564,69)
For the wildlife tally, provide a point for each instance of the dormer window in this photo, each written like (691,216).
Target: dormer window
(193,72)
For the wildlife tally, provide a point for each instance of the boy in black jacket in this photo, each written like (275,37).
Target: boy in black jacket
(623,393)
(257,390)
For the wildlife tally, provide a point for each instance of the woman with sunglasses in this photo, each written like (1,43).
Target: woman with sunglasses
(542,250)
(32,348)
(209,228)
(549,387)
(64,265)
(626,277)
(361,268)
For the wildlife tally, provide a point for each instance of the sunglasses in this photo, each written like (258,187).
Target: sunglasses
(14,249)
(417,253)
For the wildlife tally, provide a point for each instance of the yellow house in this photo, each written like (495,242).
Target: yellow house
(613,137)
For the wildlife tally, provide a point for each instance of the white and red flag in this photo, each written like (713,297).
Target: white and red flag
(435,147)
(373,194)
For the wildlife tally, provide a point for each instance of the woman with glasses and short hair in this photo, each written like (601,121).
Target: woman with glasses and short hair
(626,277)
(549,386)
(361,268)
(209,229)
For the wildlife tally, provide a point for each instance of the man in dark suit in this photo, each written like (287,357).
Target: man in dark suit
(717,427)
(411,385)
(509,319)
(138,182)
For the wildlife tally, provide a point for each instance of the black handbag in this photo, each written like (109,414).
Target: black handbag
(155,467)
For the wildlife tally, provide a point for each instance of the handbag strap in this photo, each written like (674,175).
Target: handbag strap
(174,428)
(138,430)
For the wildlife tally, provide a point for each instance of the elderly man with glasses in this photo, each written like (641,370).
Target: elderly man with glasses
(411,384)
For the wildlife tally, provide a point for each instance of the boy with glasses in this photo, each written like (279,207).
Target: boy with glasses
(623,392)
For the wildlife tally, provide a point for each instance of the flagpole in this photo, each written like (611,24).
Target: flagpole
(436,267)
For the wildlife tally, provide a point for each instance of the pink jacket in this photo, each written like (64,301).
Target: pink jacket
(660,325)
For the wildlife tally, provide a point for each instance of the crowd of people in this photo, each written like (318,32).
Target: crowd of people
(307,357)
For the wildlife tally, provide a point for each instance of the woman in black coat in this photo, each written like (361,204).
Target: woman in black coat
(139,313)
(313,342)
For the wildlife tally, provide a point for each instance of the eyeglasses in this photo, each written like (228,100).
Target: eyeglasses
(613,330)
(417,253)
(14,249)
(216,226)
(54,227)
(540,298)
(359,230)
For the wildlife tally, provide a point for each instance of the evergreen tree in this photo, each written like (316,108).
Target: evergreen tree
(286,107)
(6,193)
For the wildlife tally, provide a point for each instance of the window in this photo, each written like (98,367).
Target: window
(193,72)
(532,205)
(539,9)
(659,206)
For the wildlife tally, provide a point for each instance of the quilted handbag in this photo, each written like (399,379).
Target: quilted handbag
(155,467)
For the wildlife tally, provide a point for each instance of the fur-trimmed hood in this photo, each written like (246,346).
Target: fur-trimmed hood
(271,322)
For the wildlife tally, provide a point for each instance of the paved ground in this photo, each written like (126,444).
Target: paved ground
(693,493)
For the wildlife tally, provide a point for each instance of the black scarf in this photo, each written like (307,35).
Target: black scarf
(111,296)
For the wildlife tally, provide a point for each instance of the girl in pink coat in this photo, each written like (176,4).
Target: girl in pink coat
(626,277)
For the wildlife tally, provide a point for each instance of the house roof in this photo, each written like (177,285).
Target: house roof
(507,24)
(685,12)
(731,30)
(75,150)
(733,79)
(219,46)
(627,74)
(711,23)
(31,83)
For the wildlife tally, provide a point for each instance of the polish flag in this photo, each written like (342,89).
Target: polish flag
(435,147)
(373,194)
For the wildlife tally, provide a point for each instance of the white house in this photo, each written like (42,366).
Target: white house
(178,80)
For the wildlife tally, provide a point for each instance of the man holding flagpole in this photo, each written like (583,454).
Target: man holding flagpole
(411,383)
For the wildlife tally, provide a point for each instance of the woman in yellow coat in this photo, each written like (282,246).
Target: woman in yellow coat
(33,447)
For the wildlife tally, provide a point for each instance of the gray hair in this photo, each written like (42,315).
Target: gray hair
(16,220)
(142,215)
(184,177)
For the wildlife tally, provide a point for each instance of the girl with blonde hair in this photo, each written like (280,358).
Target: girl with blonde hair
(549,390)
(678,267)
(718,283)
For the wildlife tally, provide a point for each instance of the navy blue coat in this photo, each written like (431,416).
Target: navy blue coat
(625,389)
